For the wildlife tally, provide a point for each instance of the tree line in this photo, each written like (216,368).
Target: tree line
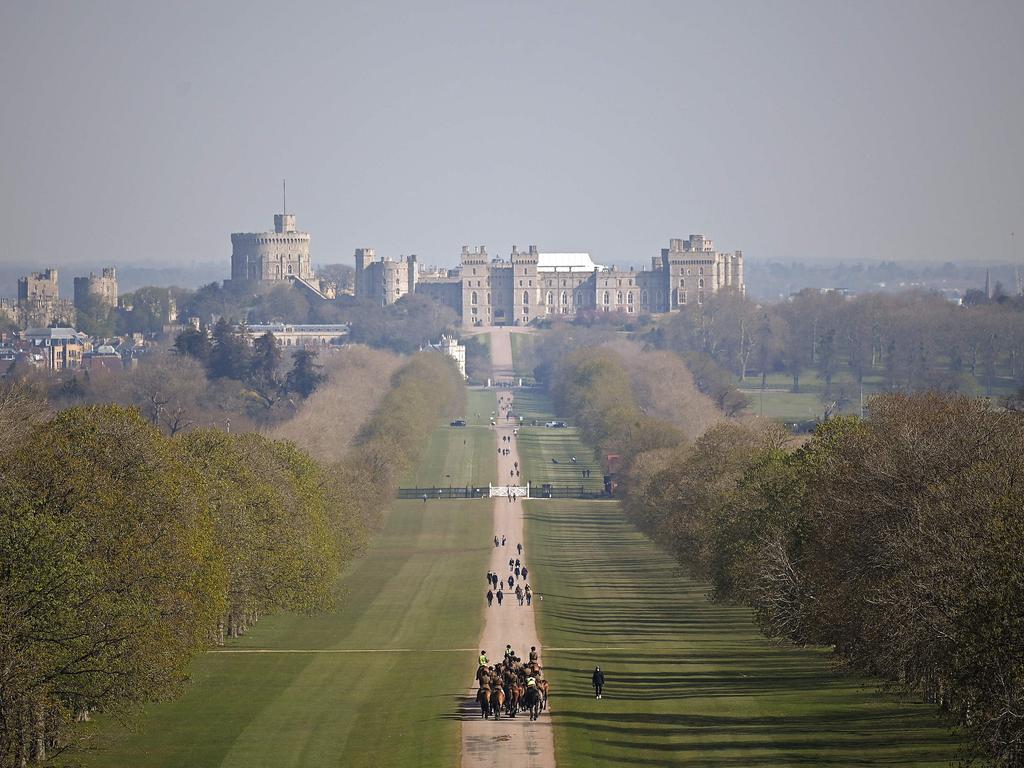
(901,342)
(125,552)
(894,539)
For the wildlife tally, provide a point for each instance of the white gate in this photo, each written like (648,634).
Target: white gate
(521,491)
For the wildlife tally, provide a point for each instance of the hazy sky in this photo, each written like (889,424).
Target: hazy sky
(149,131)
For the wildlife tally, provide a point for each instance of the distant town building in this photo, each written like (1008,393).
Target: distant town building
(60,348)
(39,302)
(103,287)
(300,335)
(456,350)
(532,284)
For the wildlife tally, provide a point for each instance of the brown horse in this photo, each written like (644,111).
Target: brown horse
(497,701)
(544,688)
(515,699)
(483,698)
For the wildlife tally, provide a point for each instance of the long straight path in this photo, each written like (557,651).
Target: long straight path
(515,742)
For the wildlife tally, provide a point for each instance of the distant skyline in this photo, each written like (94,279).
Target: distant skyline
(147,133)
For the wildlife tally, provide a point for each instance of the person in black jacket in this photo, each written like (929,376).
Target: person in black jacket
(598,680)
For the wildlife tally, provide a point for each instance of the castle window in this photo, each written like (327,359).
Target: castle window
(526,297)
(683,301)
(687,270)
(487,297)
(520,283)
(607,297)
(551,298)
(700,297)
(472,300)
(629,299)
(700,270)
(643,298)
(682,282)
(565,296)
(618,298)
(579,298)
(700,283)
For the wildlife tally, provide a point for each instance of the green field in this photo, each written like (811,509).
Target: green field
(689,682)
(541,447)
(461,455)
(524,356)
(313,704)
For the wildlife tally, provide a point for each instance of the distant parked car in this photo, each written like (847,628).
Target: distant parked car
(556,424)
(459,423)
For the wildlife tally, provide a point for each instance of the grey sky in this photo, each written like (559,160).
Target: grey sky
(145,131)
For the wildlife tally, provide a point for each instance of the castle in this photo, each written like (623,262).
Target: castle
(532,284)
(278,256)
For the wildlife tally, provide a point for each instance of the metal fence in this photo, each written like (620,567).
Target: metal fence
(447,492)
(544,491)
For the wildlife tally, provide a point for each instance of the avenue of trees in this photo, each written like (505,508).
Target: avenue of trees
(124,552)
(898,342)
(894,540)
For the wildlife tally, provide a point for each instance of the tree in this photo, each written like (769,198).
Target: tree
(94,317)
(229,356)
(194,343)
(110,582)
(305,376)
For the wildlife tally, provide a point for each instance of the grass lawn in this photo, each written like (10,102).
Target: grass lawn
(524,356)
(461,455)
(689,682)
(321,707)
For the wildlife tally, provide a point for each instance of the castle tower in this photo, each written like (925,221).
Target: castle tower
(364,257)
(526,289)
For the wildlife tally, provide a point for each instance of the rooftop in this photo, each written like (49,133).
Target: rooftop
(566,262)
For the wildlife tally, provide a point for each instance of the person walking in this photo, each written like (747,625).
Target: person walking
(490,598)
(424,498)
(511,582)
(524,573)
(503,540)
(598,680)
(495,540)
(517,571)
(519,594)
(494,580)
(483,658)
(500,596)
(529,595)
(489,575)
(534,656)
(520,548)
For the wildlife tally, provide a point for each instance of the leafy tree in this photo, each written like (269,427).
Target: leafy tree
(194,343)
(110,582)
(229,355)
(95,317)
(305,375)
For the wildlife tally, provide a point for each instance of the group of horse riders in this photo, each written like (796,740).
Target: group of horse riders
(511,686)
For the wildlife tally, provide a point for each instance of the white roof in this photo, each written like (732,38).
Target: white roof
(566,262)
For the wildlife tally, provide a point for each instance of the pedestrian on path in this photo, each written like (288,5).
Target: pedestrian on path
(494,580)
(511,582)
(490,598)
(489,577)
(524,573)
(520,548)
(517,571)
(503,540)
(495,540)
(519,594)
(500,596)
(598,681)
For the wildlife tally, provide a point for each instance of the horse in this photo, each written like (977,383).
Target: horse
(534,702)
(497,701)
(515,699)
(544,687)
(483,697)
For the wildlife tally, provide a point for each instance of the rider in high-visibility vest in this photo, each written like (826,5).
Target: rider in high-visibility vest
(531,682)
(483,658)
